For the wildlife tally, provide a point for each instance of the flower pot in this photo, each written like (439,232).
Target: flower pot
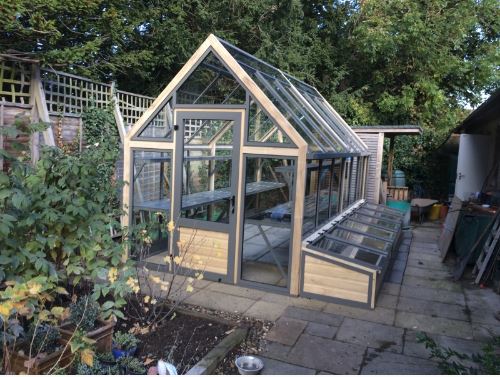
(103,335)
(117,353)
(41,363)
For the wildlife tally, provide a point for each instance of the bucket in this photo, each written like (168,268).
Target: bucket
(398,178)
(434,212)
(444,212)
(403,206)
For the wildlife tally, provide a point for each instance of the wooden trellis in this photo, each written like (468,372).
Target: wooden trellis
(132,106)
(15,80)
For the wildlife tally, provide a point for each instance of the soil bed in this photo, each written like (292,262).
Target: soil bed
(182,341)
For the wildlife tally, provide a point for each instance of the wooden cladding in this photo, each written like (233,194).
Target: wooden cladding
(204,250)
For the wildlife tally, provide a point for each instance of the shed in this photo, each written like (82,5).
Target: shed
(373,137)
(263,178)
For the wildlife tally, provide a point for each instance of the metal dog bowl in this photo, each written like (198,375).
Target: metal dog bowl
(249,364)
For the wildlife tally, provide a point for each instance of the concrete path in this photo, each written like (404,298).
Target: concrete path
(311,337)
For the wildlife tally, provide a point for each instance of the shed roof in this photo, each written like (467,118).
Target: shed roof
(488,111)
(405,129)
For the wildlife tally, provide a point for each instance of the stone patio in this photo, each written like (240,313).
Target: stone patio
(311,337)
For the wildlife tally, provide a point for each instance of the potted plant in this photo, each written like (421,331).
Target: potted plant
(84,315)
(104,364)
(40,352)
(124,344)
(131,366)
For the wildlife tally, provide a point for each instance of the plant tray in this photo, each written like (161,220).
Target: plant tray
(41,365)
(103,335)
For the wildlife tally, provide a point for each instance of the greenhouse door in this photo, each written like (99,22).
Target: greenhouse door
(206,189)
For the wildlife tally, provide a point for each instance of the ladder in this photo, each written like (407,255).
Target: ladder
(488,249)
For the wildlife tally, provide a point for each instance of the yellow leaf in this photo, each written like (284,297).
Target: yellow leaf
(156,279)
(5,308)
(35,288)
(178,259)
(200,276)
(62,291)
(88,357)
(88,340)
(189,288)
(57,311)
(146,299)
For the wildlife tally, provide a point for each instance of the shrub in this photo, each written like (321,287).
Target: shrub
(44,338)
(84,313)
(131,365)
(125,341)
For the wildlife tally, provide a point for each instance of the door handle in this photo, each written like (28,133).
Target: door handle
(460,175)
(233,202)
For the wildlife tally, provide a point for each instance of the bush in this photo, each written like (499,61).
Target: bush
(125,341)
(84,313)
(131,365)
(44,338)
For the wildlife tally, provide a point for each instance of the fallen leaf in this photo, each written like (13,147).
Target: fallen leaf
(148,361)
(229,332)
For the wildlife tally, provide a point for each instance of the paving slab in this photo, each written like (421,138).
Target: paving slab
(371,334)
(432,282)
(318,329)
(327,355)
(220,301)
(414,348)
(483,305)
(286,331)
(391,363)
(275,350)
(301,302)
(235,290)
(424,257)
(390,288)
(273,367)
(432,308)
(426,273)
(431,294)
(429,265)
(268,311)
(483,332)
(396,276)
(434,325)
(387,301)
(380,315)
(313,316)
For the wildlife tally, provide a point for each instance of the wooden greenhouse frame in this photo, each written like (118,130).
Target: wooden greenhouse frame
(241,157)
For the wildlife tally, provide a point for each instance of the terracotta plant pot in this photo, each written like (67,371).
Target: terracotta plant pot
(103,335)
(40,365)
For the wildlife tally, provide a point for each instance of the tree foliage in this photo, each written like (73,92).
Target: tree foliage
(377,62)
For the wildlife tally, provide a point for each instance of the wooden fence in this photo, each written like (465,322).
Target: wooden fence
(59,97)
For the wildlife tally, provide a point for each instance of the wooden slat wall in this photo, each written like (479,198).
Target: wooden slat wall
(374,143)
(332,280)
(207,250)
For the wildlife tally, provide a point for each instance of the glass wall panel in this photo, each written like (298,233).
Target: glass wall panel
(267,221)
(161,126)
(207,169)
(151,201)
(211,83)
(337,173)
(261,128)
(311,194)
(326,194)
(389,217)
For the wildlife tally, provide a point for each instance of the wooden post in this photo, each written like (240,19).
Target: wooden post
(41,105)
(390,160)
(2,103)
(117,114)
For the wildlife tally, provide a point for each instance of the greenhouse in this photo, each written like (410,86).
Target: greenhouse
(264,181)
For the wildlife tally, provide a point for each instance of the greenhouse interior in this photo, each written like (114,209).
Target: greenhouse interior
(263,179)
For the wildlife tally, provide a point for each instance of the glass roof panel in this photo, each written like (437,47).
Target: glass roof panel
(294,99)
(347,251)
(368,230)
(361,240)
(384,209)
(211,83)
(262,129)
(375,221)
(161,126)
